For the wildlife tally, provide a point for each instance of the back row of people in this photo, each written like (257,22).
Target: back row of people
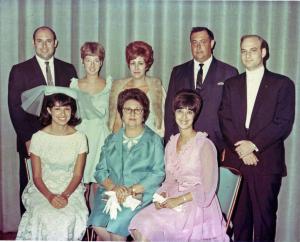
(204,74)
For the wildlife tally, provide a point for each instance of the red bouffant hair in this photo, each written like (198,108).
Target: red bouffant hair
(139,48)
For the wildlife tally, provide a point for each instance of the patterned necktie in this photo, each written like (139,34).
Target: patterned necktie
(48,73)
(200,77)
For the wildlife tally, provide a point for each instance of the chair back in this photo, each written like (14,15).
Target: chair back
(228,188)
(28,169)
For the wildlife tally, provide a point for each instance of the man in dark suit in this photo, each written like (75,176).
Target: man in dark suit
(256,116)
(27,75)
(208,81)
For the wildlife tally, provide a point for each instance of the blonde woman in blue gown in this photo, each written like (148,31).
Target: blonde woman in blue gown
(93,96)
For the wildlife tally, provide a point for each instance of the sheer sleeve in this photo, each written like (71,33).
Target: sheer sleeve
(204,192)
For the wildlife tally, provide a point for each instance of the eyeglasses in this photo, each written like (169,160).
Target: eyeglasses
(136,111)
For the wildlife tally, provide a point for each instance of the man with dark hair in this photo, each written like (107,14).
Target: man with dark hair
(42,69)
(256,116)
(206,75)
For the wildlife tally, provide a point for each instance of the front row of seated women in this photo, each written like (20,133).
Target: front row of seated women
(132,163)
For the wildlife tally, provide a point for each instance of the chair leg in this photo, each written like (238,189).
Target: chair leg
(90,234)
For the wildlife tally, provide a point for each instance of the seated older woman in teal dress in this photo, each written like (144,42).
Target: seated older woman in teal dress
(131,163)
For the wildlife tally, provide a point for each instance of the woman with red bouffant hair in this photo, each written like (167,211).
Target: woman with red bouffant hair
(139,58)
(93,99)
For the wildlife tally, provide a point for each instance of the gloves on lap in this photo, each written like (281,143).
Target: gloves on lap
(112,205)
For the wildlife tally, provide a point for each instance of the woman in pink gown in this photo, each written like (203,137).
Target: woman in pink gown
(190,185)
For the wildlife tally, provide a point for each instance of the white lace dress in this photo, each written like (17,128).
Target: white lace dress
(41,221)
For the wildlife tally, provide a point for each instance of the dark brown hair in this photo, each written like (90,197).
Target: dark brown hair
(188,98)
(137,95)
(63,100)
(200,29)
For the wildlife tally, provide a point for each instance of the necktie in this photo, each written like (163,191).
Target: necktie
(48,73)
(200,77)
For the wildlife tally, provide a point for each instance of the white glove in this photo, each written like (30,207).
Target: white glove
(131,202)
(160,199)
(112,205)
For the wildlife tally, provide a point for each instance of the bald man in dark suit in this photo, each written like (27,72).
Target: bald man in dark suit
(256,116)
(208,82)
(27,75)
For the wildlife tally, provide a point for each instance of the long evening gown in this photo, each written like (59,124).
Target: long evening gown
(94,113)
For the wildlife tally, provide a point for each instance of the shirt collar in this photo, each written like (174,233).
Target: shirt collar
(257,73)
(206,63)
(131,141)
(42,61)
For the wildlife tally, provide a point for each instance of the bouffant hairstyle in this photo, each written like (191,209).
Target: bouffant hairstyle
(139,48)
(62,100)
(137,95)
(188,98)
(92,48)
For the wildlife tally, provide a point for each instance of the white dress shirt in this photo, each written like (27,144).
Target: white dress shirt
(253,80)
(43,67)
(205,68)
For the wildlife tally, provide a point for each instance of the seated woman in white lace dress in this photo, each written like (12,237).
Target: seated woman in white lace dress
(54,197)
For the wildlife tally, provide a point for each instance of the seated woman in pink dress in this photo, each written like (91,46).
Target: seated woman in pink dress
(191,211)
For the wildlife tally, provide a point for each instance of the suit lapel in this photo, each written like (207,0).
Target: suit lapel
(260,97)
(57,73)
(211,74)
(118,142)
(241,103)
(190,75)
(142,140)
(37,72)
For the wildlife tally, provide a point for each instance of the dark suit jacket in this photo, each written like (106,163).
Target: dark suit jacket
(25,76)
(271,121)
(182,77)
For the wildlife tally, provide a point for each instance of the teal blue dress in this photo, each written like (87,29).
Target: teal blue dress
(142,164)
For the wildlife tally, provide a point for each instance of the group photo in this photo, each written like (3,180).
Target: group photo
(149,120)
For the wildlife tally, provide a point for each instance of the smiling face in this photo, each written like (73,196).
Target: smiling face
(137,68)
(92,64)
(184,118)
(44,44)
(252,54)
(60,114)
(132,114)
(201,46)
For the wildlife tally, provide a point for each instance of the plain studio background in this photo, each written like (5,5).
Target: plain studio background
(166,26)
